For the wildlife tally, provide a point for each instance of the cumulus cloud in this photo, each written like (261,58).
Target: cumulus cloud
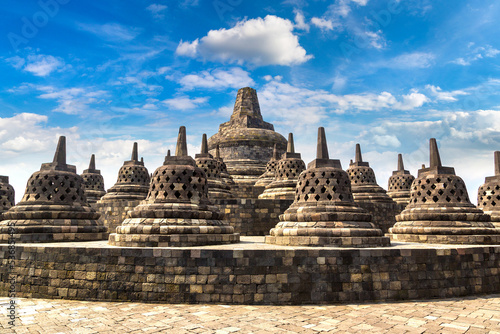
(300,22)
(184,102)
(39,65)
(157,10)
(112,32)
(441,95)
(260,42)
(217,79)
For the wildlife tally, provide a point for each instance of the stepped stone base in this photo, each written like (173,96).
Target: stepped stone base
(451,239)
(383,213)
(358,242)
(171,240)
(113,213)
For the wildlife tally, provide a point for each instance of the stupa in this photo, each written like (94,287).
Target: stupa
(488,194)
(288,170)
(246,143)
(177,211)
(129,190)
(400,184)
(204,160)
(270,173)
(93,182)
(54,207)
(440,211)
(7,194)
(224,174)
(369,195)
(324,212)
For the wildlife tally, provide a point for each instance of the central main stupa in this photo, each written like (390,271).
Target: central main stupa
(246,142)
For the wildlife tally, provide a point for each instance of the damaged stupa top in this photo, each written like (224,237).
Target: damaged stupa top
(93,182)
(323,212)
(440,211)
(177,210)
(246,141)
(488,194)
(287,173)
(400,183)
(54,206)
(133,180)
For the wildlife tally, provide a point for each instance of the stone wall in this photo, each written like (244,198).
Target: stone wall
(383,214)
(114,212)
(252,216)
(252,274)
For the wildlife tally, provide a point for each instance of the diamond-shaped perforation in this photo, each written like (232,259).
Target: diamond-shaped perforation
(436,190)
(58,187)
(315,187)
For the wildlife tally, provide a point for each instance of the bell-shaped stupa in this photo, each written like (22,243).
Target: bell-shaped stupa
(7,194)
(246,142)
(324,212)
(217,188)
(440,211)
(400,184)
(177,211)
(224,174)
(54,207)
(93,182)
(270,173)
(288,170)
(369,195)
(488,194)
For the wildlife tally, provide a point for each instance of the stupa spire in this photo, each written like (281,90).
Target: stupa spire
(401,166)
(275,153)
(217,152)
(60,155)
(497,162)
(290,147)
(247,104)
(135,154)
(322,148)
(358,157)
(92,162)
(181,148)
(204,145)
(435,159)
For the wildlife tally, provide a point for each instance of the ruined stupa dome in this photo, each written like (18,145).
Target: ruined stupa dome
(488,194)
(7,194)
(324,212)
(440,211)
(54,206)
(177,210)
(246,142)
(133,180)
(400,183)
(93,182)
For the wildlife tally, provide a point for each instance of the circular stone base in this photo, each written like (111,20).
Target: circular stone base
(54,237)
(358,242)
(171,240)
(448,239)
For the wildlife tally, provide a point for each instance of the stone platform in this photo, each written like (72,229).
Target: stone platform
(251,272)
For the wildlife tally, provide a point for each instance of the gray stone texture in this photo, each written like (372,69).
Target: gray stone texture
(488,194)
(7,194)
(399,184)
(93,182)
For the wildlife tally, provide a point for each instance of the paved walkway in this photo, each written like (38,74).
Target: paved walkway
(465,315)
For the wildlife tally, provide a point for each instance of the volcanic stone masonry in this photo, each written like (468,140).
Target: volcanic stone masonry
(400,185)
(369,195)
(246,143)
(177,211)
(270,173)
(217,188)
(93,183)
(54,207)
(7,194)
(488,194)
(221,165)
(288,169)
(324,212)
(129,190)
(440,211)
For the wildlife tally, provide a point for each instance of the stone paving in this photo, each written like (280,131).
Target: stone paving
(458,315)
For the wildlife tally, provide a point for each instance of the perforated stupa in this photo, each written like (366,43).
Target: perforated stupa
(7,194)
(177,211)
(440,211)
(54,206)
(270,173)
(287,173)
(488,194)
(93,182)
(400,183)
(323,212)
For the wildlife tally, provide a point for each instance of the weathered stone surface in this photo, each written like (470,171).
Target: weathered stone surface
(270,173)
(440,211)
(366,190)
(93,182)
(288,169)
(246,142)
(488,194)
(400,184)
(177,211)
(324,212)
(7,194)
(53,208)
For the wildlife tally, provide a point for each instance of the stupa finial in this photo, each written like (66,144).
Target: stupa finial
(401,166)
(290,148)
(135,154)
(204,144)
(275,153)
(217,152)
(497,162)
(322,148)
(92,162)
(60,155)
(358,157)
(168,153)
(181,148)
(435,160)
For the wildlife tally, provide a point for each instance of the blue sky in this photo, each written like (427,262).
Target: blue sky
(388,75)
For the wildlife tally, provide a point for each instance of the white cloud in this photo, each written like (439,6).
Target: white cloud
(445,96)
(259,42)
(322,23)
(300,22)
(408,61)
(360,2)
(411,101)
(39,65)
(157,10)
(216,79)
(72,101)
(112,32)
(184,102)
(476,53)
